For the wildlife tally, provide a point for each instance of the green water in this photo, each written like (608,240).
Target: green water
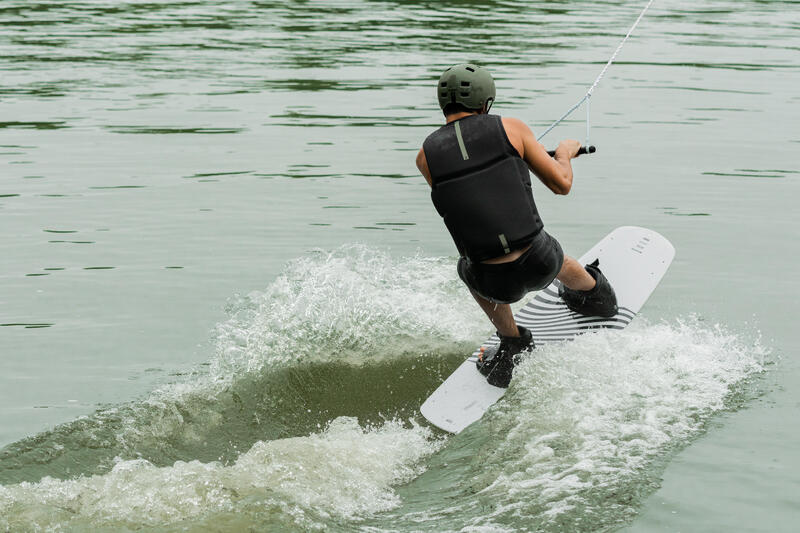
(224,292)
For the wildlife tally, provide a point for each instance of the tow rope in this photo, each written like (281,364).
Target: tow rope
(586,148)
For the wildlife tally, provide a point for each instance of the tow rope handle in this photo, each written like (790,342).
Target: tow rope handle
(582,150)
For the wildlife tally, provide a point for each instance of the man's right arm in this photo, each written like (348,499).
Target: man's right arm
(422,165)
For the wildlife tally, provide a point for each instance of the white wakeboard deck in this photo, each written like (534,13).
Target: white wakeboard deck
(633,259)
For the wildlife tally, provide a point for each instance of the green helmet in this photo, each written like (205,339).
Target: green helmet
(466,84)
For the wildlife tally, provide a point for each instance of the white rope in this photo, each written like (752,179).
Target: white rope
(588,94)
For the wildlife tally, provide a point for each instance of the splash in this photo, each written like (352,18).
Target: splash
(350,332)
(306,418)
(342,472)
(356,304)
(587,424)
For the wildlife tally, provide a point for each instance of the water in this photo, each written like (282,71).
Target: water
(225,292)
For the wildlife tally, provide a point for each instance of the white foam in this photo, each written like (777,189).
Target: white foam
(573,440)
(585,419)
(356,304)
(342,472)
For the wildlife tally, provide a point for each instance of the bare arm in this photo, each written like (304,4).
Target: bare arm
(554,172)
(422,165)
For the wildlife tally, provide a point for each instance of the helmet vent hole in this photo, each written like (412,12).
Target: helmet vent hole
(465,84)
(470,69)
(464,93)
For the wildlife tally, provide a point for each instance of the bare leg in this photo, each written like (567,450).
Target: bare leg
(500,315)
(574,276)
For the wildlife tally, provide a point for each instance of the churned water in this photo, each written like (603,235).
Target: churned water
(225,292)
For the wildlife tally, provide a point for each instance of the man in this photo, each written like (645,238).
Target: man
(477,165)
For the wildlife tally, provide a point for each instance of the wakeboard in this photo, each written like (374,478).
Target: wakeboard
(633,259)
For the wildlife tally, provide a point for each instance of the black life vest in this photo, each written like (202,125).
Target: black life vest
(481,187)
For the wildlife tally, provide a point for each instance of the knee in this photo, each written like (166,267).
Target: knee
(569,266)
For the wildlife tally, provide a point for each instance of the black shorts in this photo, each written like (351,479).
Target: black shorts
(506,283)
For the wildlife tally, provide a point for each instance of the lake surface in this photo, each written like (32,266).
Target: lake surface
(224,291)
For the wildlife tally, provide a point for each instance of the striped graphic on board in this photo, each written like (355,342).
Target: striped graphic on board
(549,320)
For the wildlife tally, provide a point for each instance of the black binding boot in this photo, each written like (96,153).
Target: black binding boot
(597,301)
(497,363)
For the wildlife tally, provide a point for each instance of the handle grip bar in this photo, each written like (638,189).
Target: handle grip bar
(581,150)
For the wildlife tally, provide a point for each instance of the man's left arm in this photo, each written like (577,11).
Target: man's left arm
(554,172)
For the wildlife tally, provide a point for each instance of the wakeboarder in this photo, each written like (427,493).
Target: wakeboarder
(478,166)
